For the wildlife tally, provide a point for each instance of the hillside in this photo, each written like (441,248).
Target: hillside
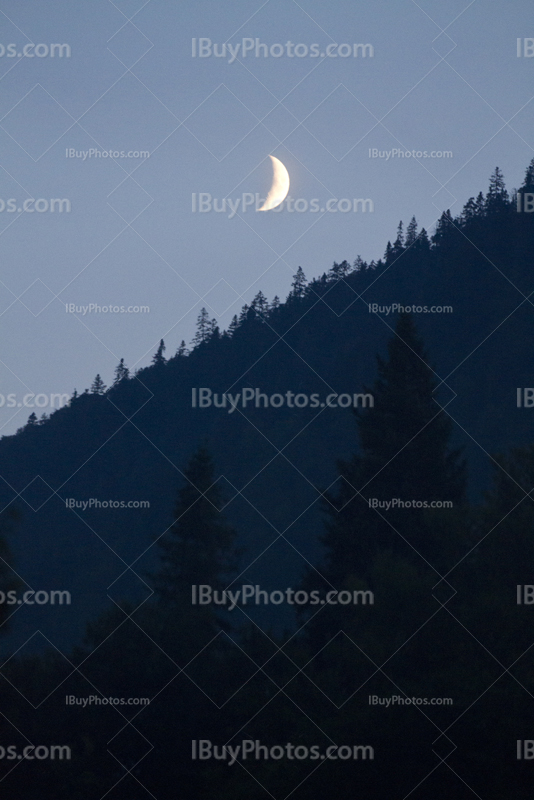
(130,442)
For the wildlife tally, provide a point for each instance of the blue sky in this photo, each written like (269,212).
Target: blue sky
(442,77)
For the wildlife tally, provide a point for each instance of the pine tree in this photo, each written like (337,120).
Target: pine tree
(32,419)
(214,332)
(338,271)
(261,304)
(469,211)
(497,197)
(298,286)
(423,242)
(243,314)
(198,549)
(398,245)
(204,328)
(182,350)
(404,453)
(275,304)
(481,205)
(158,358)
(411,232)
(121,372)
(528,184)
(444,227)
(98,386)
(233,326)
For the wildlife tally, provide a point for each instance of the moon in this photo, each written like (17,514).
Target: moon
(280,186)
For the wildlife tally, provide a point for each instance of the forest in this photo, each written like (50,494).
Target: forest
(435,586)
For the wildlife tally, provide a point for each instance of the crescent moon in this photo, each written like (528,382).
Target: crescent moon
(280,186)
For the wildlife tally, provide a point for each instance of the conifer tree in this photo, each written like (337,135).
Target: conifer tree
(423,242)
(298,286)
(204,328)
(260,304)
(399,241)
(404,453)
(411,232)
(158,358)
(98,386)
(214,332)
(198,549)
(528,184)
(233,326)
(444,227)
(338,271)
(121,372)
(481,205)
(497,197)
(469,211)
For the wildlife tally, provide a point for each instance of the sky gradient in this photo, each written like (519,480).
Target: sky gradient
(442,77)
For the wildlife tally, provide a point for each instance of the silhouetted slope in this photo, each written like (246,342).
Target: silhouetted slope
(129,443)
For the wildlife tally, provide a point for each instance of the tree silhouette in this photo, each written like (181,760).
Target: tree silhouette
(298,286)
(121,372)
(98,386)
(158,358)
(197,549)
(497,197)
(404,453)
(411,232)
(204,328)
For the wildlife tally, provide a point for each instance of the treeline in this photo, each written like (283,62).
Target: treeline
(490,217)
(444,623)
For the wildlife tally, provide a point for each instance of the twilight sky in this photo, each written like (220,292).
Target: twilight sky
(442,77)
